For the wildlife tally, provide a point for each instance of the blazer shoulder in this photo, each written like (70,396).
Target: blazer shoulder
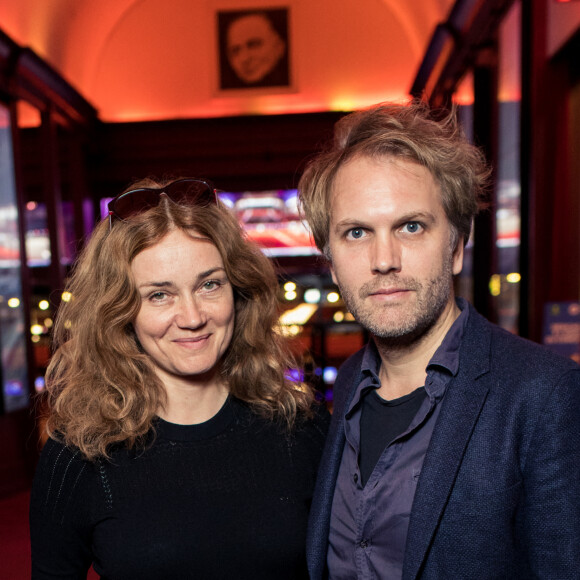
(513,355)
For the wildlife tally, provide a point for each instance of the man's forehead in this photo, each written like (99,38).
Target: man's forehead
(403,162)
(359,167)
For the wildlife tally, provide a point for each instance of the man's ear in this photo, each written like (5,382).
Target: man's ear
(332,273)
(458,256)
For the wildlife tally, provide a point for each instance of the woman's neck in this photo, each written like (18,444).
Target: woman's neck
(189,403)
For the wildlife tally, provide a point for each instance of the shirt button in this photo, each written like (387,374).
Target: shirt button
(355,477)
(364,544)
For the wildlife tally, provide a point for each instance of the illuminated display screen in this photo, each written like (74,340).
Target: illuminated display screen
(270,219)
(37,236)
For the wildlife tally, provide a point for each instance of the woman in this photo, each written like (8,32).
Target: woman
(178,448)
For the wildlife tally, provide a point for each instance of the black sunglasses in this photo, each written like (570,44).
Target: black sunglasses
(187,191)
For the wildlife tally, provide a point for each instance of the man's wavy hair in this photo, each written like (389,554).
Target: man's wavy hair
(102,389)
(412,132)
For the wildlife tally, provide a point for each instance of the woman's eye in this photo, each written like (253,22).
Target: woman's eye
(211,284)
(411,227)
(355,233)
(157,296)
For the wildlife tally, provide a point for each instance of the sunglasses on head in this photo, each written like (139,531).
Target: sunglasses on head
(188,191)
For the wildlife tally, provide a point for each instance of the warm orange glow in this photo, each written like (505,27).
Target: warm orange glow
(563,22)
(28,116)
(464,92)
(342,58)
(510,57)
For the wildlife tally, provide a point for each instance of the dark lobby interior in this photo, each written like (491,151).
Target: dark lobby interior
(94,95)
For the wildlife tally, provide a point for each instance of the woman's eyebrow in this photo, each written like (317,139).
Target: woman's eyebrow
(169,284)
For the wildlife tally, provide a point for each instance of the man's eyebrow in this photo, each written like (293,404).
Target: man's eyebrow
(404,218)
(425,216)
(350,221)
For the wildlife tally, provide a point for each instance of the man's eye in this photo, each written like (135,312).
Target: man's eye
(412,227)
(356,233)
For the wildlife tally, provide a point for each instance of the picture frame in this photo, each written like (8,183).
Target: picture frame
(254,50)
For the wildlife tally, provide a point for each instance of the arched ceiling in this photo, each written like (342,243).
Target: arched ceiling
(158,59)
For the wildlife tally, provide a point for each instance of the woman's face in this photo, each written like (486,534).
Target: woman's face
(186,320)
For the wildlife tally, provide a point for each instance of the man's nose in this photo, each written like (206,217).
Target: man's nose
(385,254)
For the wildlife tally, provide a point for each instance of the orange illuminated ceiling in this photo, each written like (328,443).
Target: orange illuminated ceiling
(137,60)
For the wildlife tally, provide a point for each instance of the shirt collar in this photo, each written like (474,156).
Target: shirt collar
(445,357)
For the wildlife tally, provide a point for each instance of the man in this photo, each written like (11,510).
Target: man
(453,450)
(254,50)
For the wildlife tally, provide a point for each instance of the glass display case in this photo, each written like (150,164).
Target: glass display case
(13,334)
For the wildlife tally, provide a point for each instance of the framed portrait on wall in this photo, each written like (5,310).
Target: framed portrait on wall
(254,49)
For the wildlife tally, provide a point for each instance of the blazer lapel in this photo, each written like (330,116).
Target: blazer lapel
(319,520)
(462,405)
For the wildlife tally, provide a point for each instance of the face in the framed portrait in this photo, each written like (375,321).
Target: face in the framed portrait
(254,47)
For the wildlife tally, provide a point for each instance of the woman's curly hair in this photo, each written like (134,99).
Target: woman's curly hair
(101,388)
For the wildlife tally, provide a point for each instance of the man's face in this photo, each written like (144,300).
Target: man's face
(254,47)
(390,245)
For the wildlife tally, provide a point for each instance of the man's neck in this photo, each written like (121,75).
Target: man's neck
(403,368)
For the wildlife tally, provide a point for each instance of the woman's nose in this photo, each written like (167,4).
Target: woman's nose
(189,314)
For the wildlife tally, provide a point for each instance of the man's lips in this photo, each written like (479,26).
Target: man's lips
(388,292)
